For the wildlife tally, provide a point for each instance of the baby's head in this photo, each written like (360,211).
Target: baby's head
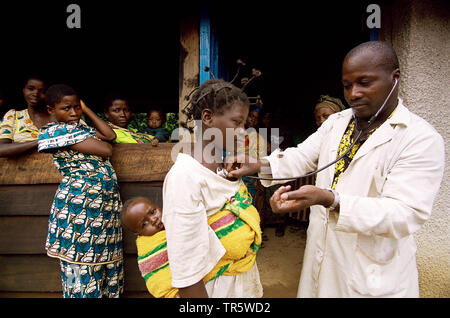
(155,118)
(63,103)
(141,216)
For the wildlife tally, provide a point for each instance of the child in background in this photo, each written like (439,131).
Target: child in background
(155,121)
(193,192)
(84,230)
(236,225)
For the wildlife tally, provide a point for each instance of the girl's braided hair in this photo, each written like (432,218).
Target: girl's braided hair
(215,94)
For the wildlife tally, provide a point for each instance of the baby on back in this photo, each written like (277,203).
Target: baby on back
(236,225)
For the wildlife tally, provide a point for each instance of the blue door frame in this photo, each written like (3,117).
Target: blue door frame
(209,47)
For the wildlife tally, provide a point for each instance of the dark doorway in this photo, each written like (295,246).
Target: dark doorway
(299,47)
(127,47)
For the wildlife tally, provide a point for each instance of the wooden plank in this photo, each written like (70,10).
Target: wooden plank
(32,273)
(133,278)
(132,162)
(40,273)
(23,234)
(189,60)
(27,235)
(150,190)
(142,162)
(31,168)
(37,199)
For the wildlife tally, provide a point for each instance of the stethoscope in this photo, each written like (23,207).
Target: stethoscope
(370,122)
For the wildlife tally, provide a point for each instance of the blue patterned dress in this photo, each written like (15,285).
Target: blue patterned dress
(84,225)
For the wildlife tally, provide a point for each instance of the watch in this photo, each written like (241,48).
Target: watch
(336,199)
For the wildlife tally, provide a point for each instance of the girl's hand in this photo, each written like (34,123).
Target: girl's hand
(83,105)
(155,142)
(284,200)
(104,132)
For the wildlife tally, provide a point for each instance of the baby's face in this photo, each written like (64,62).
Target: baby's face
(154,119)
(144,218)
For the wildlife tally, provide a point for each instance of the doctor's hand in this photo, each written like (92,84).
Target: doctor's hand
(242,165)
(284,200)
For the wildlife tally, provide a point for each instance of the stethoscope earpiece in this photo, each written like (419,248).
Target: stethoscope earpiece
(371,121)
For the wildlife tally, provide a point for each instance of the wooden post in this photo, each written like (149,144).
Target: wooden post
(189,60)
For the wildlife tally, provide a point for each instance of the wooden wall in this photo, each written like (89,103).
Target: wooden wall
(27,186)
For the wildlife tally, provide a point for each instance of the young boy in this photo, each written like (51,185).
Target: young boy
(240,236)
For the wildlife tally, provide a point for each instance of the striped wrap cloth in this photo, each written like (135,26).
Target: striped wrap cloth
(237,225)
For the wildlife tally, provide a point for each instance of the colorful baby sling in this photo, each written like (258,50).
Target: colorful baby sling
(236,224)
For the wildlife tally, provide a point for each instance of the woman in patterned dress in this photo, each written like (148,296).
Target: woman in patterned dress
(84,229)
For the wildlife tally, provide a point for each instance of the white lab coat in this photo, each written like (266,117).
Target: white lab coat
(386,194)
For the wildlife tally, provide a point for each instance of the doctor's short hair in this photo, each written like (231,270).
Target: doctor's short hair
(386,54)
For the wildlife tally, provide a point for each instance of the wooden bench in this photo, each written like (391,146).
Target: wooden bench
(27,186)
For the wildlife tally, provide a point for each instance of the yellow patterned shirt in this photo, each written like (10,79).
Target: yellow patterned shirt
(18,126)
(346,141)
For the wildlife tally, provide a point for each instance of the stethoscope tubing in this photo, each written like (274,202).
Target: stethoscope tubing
(371,121)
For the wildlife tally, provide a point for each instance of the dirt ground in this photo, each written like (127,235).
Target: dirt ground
(280,262)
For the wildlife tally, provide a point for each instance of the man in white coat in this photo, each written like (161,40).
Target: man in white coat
(366,207)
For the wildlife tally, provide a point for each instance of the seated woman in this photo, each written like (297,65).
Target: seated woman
(236,225)
(19,129)
(118,115)
(326,106)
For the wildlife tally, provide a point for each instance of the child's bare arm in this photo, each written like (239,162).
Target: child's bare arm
(104,132)
(197,290)
(92,146)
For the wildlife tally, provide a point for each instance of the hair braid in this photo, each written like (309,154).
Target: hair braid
(215,94)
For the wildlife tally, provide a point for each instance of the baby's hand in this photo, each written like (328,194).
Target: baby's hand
(155,142)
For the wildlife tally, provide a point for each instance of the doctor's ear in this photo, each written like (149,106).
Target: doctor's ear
(396,74)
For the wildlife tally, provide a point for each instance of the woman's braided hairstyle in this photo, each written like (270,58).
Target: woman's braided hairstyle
(215,94)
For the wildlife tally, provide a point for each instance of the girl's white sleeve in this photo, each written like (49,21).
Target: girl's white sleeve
(193,248)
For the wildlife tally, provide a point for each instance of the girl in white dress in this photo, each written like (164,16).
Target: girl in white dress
(194,191)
